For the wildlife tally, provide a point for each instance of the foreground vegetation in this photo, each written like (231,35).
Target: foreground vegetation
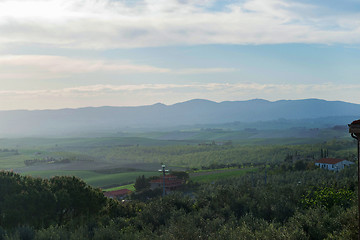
(270,191)
(289,204)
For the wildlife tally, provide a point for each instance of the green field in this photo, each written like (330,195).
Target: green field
(95,179)
(13,161)
(60,144)
(128,186)
(212,176)
(116,161)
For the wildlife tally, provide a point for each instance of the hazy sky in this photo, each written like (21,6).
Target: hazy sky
(75,53)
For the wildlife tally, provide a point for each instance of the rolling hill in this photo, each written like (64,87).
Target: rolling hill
(65,122)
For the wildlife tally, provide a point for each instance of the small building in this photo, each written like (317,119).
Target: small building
(171,183)
(333,164)
(118,194)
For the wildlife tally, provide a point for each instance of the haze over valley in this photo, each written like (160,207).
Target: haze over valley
(193,114)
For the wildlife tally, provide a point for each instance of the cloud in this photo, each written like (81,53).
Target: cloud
(144,94)
(106,24)
(96,89)
(45,67)
(204,70)
(48,67)
(227,87)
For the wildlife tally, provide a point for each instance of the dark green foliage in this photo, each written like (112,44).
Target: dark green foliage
(157,212)
(39,203)
(180,175)
(53,233)
(347,224)
(141,183)
(25,233)
(327,197)
(2,233)
(300,165)
(146,194)
(317,223)
(75,198)
(25,198)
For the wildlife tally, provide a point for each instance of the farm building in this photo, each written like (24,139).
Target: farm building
(333,164)
(171,183)
(118,194)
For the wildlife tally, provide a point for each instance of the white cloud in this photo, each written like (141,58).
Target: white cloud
(226,87)
(144,94)
(108,24)
(204,70)
(46,67)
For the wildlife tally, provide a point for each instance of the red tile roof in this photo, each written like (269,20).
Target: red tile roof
(170,181)
(330,160)
(356,122)
(117,193)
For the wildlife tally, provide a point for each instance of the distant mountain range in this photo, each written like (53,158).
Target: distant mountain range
(64,122)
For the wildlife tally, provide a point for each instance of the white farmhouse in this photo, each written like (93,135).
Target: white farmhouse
(333,164)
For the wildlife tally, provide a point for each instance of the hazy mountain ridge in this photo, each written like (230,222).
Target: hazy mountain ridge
(197,111)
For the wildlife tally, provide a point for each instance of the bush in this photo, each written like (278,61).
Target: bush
(2,233)
(52,233)
(26,233)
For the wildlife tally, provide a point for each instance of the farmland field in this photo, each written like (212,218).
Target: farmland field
(128,186)
(219,174)
(116,161)
(93,178)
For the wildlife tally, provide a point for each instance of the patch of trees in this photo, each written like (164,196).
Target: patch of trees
(40,202)
(36,161)
(324,153)
(142,186)
(180,175)
(141,183)
(230,165)
(327,197)
(8,150)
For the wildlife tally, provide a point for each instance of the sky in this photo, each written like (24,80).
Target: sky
(78,53)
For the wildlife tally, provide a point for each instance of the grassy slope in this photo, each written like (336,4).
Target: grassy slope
(93,178)
(128,186)
(212,176)
(14,161)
